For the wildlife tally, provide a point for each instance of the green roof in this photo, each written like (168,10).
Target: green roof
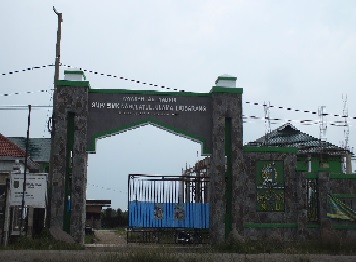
(39,148)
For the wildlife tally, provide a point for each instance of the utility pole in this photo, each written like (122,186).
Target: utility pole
(25,171)
(54,113)
(58,49)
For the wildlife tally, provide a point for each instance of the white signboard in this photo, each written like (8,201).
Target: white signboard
(36,190)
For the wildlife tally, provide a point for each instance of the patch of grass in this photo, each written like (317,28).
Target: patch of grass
(90,239)
(121,231)
(42,242)
(147,256)
(335,247)
(157,254)
(248,247)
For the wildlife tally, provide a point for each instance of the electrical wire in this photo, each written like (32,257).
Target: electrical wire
(154,85)
(244,117)
(25,69)
(295,110)
(95,73)
(21,107)
(107,188)
(27,92)
(122,78)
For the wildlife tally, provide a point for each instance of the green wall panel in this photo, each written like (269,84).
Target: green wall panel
(269,185)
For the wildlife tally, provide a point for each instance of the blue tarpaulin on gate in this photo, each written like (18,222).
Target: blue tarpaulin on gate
(187,215)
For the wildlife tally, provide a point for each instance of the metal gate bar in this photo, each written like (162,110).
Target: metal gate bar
(161,206)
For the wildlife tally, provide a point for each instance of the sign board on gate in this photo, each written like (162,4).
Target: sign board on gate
(36,190)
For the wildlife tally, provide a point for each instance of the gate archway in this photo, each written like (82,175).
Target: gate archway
(84,114)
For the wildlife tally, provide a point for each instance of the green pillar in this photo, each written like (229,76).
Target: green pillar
(68,175)
(228,178)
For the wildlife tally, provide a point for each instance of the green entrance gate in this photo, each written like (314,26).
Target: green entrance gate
(84,114)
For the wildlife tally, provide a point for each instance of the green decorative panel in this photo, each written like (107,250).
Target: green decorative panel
(302,163)
(315,161)
(335,164)
(338,209)
(269,185)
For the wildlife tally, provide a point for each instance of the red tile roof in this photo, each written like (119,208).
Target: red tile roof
(8,148)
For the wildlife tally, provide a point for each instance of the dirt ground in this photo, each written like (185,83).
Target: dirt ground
(109,237)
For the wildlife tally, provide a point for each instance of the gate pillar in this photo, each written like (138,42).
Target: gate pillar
(227,160)
(69,176)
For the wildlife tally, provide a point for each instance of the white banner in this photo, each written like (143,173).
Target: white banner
(36,190)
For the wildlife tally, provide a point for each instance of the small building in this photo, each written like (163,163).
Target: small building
(312,153)
(93,212)
(38,149)
(13,149)
(12,159)
(11,154)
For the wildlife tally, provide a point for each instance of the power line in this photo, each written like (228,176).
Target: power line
(27,92)
(300,121)
(155,85)
(21,107)
(25,70)
(123,78)
(247,102)
(107,188)
(95,73)
(293,109)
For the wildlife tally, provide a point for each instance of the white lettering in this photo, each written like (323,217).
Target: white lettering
(167,99)
(156,105)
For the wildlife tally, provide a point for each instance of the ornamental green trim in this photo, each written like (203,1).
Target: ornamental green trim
(72,83)
(233,78)
(269,149)
(270,225)
(344,195)
(342,176)
(147,92)
(222,89)
(311,175)
(195,138)
(73,72)
(344,226)
(313,225)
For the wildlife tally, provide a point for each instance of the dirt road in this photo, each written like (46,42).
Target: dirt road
(106,237)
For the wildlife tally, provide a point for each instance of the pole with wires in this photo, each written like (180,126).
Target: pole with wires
(25,171)
(53,129)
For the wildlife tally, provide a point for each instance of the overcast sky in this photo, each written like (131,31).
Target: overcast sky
(297,54)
